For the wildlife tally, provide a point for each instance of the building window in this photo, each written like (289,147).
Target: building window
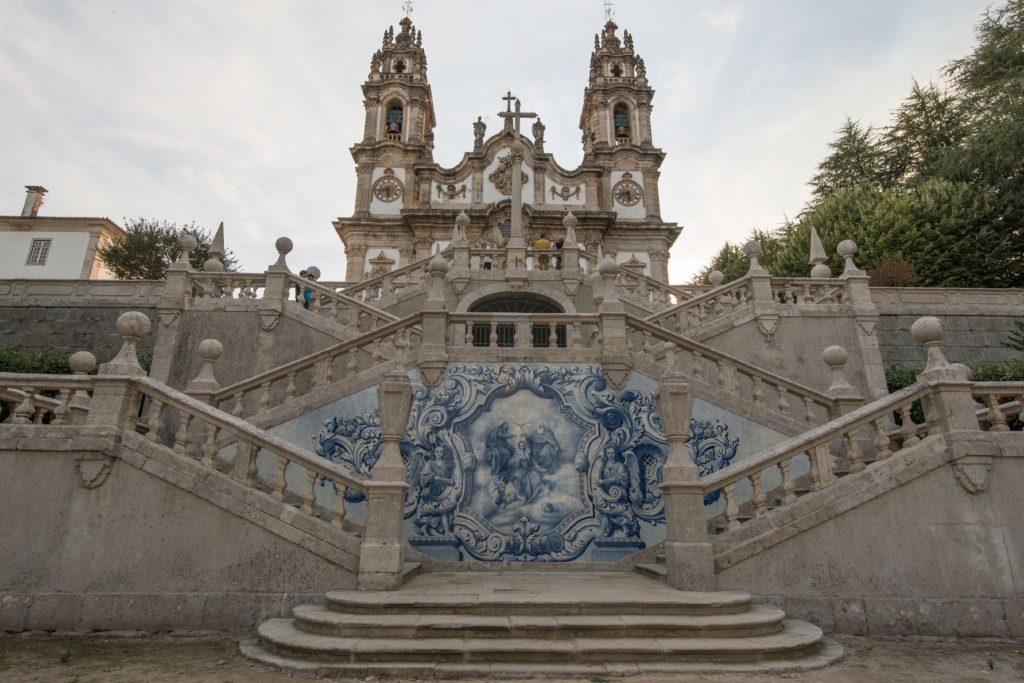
(393,123)
(505,228)
(38,253)
(622,123)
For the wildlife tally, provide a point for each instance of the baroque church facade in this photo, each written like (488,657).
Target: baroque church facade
(406,203)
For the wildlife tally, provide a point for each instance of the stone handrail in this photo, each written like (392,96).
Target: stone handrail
(488,259)
(226,285)
(806,290)
(705,306)
(638,285)
(947,297)
(286,382)
(339,305)
(819,448)
(699,359)
(531,330)
(20,391)
(1002,400)
(200,428)
(394,281)
(135,292)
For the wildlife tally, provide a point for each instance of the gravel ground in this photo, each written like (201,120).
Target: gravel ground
(162,658)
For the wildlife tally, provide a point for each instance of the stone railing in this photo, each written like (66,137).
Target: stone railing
(255,395)
(200,430)
(81,292)
(891,299)
(1002,401)
(639,287)
(339,306)
(765,390)
(805,290)
(523,331)
(395,282)
(488,259)
(705,307)
(226,285)
(64,401)
(855,440)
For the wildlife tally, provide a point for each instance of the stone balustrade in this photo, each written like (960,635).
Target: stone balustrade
(704,365)
(705,307)
(1002,401)
(523,331)
(392,283)
(226,285)
(805,290)
(339,306)
(257,394)
(42,399)
(753,486)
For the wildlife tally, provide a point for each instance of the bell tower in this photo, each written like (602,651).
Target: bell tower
(617,100)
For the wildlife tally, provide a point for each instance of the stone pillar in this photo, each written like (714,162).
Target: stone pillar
(858,294)
(114,399)
(382,551)
(652,199)
(844,395)
(951,408)
(570,256)
(459,275)
(433,355)
(614,353)
(659,265)
(688,554)
(81,364)
(205,384)
(173,302)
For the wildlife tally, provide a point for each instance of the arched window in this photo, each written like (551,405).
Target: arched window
(623,128)
(617,70)
(393,122)
(502,334)
(399,66)
(505,228)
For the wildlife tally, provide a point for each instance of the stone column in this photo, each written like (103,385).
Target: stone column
(433,355)
(459,275)
(652,198)
(382,551)
(951,408)
(614,353)
(173,302)
(688,554)
(858,294)
(114,400)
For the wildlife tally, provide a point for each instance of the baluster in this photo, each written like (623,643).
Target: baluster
(996,417)
(575,336)
(319,372)
(181,440)
(723,375)
(376,355)
(280,482)
(469,333)
(783,405)
(40,414)
(810,417)
(289,391)
(732,510)
(354,311)
(156,407)
(61,412)
(353,361)
(309,492)
(492,340)
(788,485)
(808,298)
(758,391)
(264,397)
(908,430)
(552,335)
(855,452)
(339,501)
(881,438)
(25,411)
(210,445)
(698,365)
(813,457)
(244,465)
(760,499)
(238,410)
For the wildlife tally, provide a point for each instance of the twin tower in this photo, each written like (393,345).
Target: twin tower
(406,203)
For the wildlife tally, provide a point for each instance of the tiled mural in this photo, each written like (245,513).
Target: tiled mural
(524,462)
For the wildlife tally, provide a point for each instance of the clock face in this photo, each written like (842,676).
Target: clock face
(387,189)
(627,193)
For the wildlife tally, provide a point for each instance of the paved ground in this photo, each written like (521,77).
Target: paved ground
(215,659)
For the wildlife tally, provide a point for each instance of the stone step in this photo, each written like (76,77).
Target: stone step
(759,620)
(281,637)
(655,569)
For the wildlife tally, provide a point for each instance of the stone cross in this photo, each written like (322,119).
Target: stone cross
(516,115)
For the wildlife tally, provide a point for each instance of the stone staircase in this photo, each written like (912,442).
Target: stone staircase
(514,624)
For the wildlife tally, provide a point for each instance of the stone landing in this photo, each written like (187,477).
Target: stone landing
(519,624)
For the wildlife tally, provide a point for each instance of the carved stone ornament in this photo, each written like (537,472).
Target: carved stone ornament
(570,286)
(269,320)
(388,188)
(450,193)
(767,325)
(627,192)
(973,474)
(867,326)
(566,193)
(169,318)
(502,176)
(93,469)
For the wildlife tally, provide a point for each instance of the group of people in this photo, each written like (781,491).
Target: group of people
(305,295)
(545,261)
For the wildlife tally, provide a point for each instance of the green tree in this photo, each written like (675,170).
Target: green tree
(854,159)
(148,247)
(927,125)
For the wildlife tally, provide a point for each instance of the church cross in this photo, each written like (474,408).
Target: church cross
(407,7)
(517,115)
(509,99)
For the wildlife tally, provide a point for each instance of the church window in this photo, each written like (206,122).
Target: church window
(393,122)
(38,252)
(542,335)
(505,227)
(620,117)
(617,70)
(399,66)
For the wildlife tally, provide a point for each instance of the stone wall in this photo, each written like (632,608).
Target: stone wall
(70,328)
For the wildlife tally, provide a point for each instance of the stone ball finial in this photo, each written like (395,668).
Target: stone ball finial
(821,271)
(210,349)
(846,248)
(608,267)
(752,249)
(517,148)
(438,264)
(834,356)
(82,362)
(133,324)
(716,277)
(187,241)
(313,273)
(284,246)
(462,220)
(927,330)
(570,221)
(213,265)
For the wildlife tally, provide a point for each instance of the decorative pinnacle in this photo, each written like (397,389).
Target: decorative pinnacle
(609,10)
(407,7)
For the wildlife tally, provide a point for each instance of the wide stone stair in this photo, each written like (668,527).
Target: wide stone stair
(536,623)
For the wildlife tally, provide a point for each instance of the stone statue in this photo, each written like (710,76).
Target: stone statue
(479,128)
(375,63)
(641,68)
(538,132)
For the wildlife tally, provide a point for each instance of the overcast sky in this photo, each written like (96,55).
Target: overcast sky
(243,111)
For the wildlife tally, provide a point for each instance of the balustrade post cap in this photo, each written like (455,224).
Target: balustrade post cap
(846,248)
(82,362)
(462,220)
(133,324)
(210,349)
(608,267)
(213,265)
(716,277)
(821,271)
(835,356)
(187,241)
(438,264)
(569,219)
(927,330)
(283,245)
(517,148)
(963,369)
(752,249)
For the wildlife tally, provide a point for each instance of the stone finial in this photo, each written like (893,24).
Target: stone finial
(132,326)
(752,249)
(569,222)
(818,257)
(716,277)
(928,332)
(459,231)
(205,382)
(81,362)
(608,268)
(596,287)
(846,249)
(284,247)
(215,263)
(313,273)
(438,265)
(835,358)
(438,269)
(188,242)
